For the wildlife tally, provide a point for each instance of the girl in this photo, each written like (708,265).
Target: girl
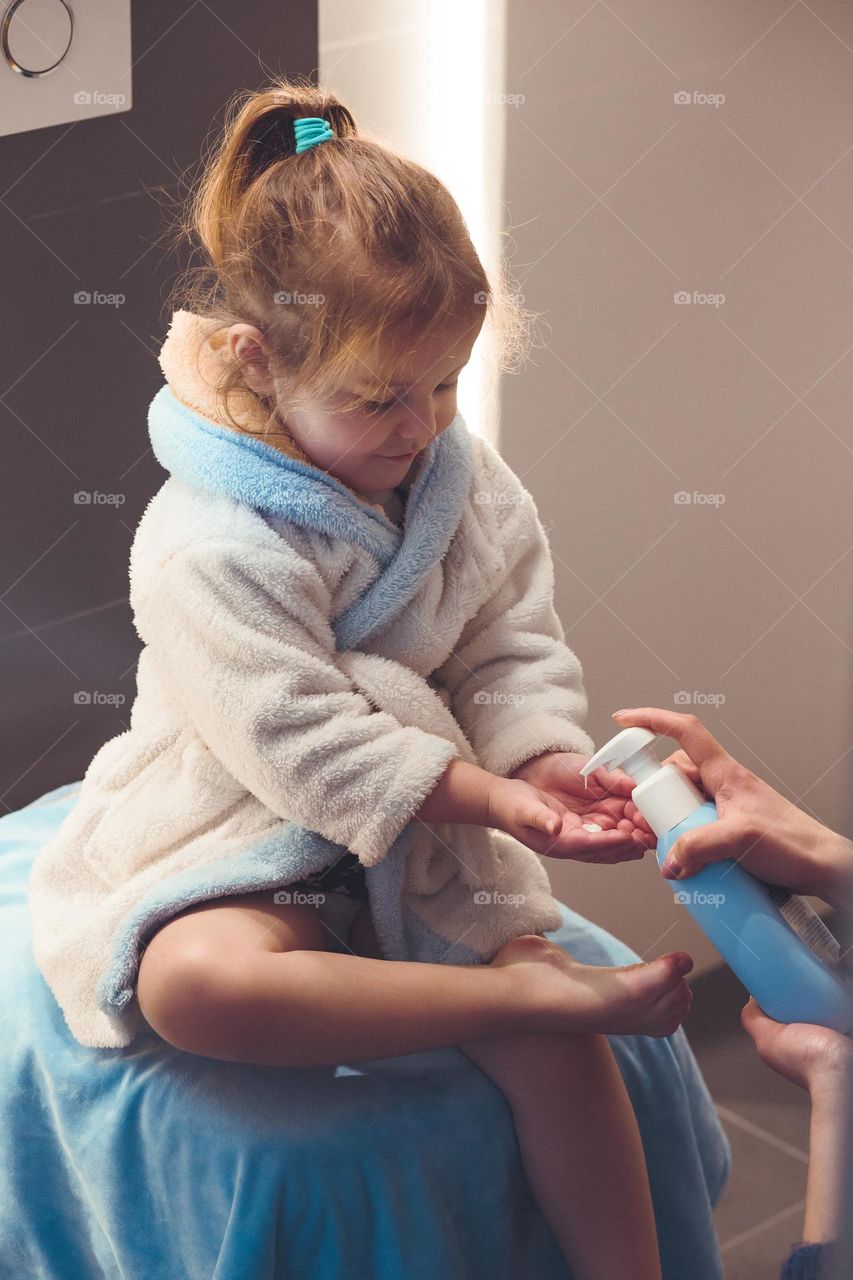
(356,716)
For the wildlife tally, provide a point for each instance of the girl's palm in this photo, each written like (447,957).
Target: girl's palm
(605,802)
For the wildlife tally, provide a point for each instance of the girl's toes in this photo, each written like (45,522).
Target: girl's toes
(681,960)
(671,1010)
(678,1000)
(654,979)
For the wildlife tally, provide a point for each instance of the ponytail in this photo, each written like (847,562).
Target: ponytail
(343,255)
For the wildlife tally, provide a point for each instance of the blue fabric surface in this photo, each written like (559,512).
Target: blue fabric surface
(146,1163)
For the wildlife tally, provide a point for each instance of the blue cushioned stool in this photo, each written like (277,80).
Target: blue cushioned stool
(147,1163)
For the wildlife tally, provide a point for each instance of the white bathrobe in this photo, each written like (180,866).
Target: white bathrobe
(308,671)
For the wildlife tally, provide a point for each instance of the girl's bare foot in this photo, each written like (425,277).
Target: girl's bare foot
(565,995)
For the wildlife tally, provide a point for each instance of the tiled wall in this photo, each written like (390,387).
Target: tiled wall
(86,209)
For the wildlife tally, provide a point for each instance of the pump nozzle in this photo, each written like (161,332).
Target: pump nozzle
(663,794)
(630,750)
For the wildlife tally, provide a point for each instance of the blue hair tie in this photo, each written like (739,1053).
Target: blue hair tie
(311,131)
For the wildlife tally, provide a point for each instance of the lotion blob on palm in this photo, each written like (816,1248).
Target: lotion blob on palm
(591,826)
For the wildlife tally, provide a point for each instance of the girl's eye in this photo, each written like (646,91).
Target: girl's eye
(379,406)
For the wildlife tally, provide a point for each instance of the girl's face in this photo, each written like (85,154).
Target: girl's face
(372,448)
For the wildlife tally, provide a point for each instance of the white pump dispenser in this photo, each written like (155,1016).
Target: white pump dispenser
(662,793)
(773,941)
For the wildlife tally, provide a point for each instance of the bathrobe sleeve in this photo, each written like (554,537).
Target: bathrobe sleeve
(516,688)
(241,637)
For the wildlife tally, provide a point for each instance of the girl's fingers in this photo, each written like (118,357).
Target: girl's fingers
(603,846)
(544,819)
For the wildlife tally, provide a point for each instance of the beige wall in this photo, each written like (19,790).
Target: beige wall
(615,198)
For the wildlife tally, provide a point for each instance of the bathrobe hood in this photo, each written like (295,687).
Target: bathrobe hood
(309,669)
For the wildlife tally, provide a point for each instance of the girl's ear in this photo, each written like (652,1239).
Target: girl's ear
(248,345)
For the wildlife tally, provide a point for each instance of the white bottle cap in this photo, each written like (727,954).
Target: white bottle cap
(663,794)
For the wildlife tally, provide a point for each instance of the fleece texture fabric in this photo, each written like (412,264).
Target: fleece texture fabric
(309,668)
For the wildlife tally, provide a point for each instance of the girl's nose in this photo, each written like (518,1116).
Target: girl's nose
(417,424)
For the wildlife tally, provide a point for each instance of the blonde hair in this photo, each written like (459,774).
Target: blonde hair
(344,256)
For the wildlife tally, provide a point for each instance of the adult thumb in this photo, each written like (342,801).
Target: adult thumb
(696,848)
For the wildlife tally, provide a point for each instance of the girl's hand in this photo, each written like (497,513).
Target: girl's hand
(606,801)
(525,812)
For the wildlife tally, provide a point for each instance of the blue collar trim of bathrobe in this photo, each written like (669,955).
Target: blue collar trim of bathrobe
(223,462)
(220,461)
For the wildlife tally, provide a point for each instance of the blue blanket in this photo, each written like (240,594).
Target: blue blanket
(147,1163)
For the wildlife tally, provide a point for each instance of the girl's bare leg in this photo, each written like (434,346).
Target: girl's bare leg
(245,980)
(580,1147)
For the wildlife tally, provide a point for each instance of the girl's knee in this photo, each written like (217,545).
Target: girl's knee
(200,968)
(182,993)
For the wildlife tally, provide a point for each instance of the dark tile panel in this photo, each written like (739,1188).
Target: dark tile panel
(88,208)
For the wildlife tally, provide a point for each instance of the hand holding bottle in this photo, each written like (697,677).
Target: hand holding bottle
(767,834)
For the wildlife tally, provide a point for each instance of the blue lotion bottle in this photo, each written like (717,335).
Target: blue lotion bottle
(777,945)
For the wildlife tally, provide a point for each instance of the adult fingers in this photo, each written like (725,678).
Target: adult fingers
(710,757)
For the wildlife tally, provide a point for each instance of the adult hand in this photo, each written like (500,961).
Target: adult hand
(772,838)
(605,802)
(812,1057)
(820,1061)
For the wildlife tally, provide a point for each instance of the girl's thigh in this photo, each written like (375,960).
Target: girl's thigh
(245,920)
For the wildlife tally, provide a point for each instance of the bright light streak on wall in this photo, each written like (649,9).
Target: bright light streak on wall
(426,76)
